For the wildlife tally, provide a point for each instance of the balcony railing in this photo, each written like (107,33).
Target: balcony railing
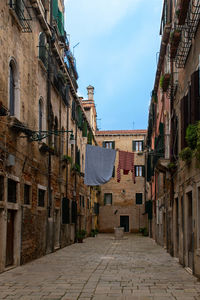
(188,31)
(22,13)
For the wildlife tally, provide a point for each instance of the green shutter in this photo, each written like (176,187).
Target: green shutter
(73,110)
(65,211)
(84,129)
(89,138)
(104,144)
(113,173)
(55,9)
(113,145)
(143,171)
(139,198)
(60,22)
(142,146)
(134,146)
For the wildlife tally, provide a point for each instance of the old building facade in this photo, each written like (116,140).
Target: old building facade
(123,203)
(173,163)
(43,133)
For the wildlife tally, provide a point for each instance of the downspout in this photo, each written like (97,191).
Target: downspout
(49,203)
(170,245)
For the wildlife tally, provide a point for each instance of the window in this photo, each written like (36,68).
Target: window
(80,200)
(1,188)
(109,145)
(43,54)
(56,135)
(74,211)
(83,201)
(40,116)
(12,191)
(62,141)
(27,189)
(41,197)
(140,171)
(138,146)
(65,211)
(138,198)
(88,203)
(108,199)
(12,90)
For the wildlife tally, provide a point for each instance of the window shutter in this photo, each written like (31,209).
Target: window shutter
(143,171)
(142,146)
(73,110)
(113,145)
(60,22)
(103,144)
(183,121)
(195,98)
(74,211)
(104,199)
(113,173)
(134,145)
(55,9)
(135,167)
(65,211)
(12,92)
(138,198)
(84,129)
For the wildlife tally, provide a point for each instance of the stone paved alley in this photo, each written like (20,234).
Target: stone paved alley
(102,268)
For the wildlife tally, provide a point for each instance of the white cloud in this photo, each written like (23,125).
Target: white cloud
(98,16)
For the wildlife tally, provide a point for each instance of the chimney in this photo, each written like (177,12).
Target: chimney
(90,93)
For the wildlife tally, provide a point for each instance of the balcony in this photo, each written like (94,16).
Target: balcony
(182,11)
(21,14)
(191,12)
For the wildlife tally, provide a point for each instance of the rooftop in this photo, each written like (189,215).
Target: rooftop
(121,132)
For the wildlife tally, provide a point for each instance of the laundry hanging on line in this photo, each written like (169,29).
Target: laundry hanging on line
(99,164)
(126,163)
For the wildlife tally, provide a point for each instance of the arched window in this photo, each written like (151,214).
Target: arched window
(40,116)
(12,89)
(43,48)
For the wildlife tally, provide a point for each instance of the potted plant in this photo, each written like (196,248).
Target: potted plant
(67,159)
(94,232)
(80,235)
(186,155)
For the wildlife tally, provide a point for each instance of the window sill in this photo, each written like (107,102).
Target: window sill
(41,208)
(14,206)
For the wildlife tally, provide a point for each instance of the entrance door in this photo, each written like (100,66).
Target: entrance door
(190,232)
(10,238)
(124,222)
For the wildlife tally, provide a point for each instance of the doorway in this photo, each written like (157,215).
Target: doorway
(10,238)
(124,222)
(190,231)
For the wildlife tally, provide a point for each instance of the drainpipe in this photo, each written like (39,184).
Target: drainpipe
(49,202)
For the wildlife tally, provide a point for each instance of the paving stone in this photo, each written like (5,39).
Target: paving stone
(102,269)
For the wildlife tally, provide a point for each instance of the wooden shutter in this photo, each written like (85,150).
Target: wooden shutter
(143,171)
(134,146)
(138,198)
(113,145)
(195,99)
(55,9)
(113,173)
(142,145)
(12,92)
(184,121)
(65,211)
(104,144)
(74,211)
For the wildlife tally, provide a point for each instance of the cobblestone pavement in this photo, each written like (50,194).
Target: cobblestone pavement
(134,268)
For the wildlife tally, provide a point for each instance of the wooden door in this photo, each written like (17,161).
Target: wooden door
(124,222)
(10,238)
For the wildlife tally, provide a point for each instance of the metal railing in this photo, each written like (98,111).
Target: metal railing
(22,13)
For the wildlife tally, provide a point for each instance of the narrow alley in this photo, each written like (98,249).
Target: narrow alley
(102,268)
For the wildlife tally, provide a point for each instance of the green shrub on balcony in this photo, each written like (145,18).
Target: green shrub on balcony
(192,135)
(186,155)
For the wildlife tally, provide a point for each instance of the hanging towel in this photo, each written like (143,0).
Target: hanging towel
(126,163)
(99,164)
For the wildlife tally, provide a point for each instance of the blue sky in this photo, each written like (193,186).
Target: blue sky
(118,40)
